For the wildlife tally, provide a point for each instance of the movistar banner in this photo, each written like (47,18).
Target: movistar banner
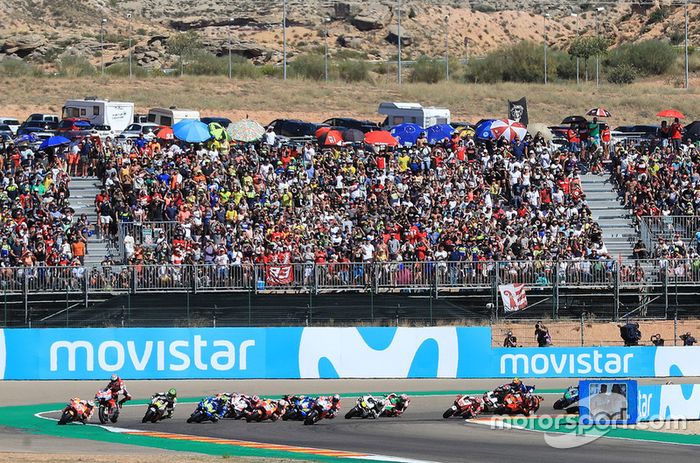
(669,402)
(433,352)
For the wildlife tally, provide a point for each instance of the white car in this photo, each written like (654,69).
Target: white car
(103,131)
(135,130)
(12,122)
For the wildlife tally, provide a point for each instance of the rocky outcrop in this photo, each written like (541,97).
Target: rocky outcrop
(367,23)
(393,36)
(24,45)
(349,42)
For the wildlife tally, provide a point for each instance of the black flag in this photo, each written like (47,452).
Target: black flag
(517,110)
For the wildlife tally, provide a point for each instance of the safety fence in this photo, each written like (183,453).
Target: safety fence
(670,228)
(351,276)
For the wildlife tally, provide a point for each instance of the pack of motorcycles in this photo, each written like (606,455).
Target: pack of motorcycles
(310,410)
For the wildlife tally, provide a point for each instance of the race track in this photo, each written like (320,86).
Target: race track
(421,434)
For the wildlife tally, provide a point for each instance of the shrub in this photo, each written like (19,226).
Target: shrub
(428,70)
(622,74)
(75,66)
(658,15)
(308,67)
(651,57)
(122,69)
(353,70)
(523,62)
(15,67)
(244,69)
(203,63)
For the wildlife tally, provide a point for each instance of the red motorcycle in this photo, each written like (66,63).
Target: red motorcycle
(107,410)
(466,407)
(516,403)
(321,409)
(76,410)
(267,410)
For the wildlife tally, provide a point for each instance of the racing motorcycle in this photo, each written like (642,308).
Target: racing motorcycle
(155,411)
(107,408)
(365,407)
(527,404)
(238,407)
(75,411)
(205,411)
(299,409)
(465,407)
(267,409)
(320,410)
(569,402)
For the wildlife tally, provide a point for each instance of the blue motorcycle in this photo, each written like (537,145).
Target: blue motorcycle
(207,410)
(569,402)
(300,409)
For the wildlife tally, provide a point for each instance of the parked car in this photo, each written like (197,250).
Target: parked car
(349,123)
(39,117)
(295,129)
(103,131)
(12,122)
(73,124)
(38,127)
(136,130)
(6,132)
(224,121)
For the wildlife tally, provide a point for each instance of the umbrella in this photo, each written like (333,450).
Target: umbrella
(191,131)
(546,133)
(380,137)
(692,131)
(438,132)
(26,138)
(321,131)
(165,133)
(672,113)
(406,134)
(331,138)
(82,124)
(54,141)
(465,131)
(508,129)
(483,129)
(353,136)
(218,131)
(246,130)
(599,112)
(574,120)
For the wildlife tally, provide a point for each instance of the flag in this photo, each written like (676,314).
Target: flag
(280,275)
(514,297)
(517,110)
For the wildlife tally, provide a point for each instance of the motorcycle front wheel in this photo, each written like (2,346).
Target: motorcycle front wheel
(67,417)
(102,414)
(449,412)
(351,414)
(311,418)
(148,416)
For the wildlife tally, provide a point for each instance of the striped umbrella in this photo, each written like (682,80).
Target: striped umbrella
(599,112)
(246,131)
(508,129)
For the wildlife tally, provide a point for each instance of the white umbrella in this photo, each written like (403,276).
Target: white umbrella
(508,128)
(246,130)
(543,130)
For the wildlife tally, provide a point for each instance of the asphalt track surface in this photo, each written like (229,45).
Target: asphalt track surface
(420,434)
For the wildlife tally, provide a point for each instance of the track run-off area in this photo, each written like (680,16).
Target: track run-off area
(420,435)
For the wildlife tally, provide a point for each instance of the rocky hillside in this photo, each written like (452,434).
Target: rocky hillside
(43,31)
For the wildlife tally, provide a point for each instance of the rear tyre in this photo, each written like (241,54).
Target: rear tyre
(115,416)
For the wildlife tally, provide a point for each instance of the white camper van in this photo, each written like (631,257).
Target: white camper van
(171,116)
(399,113)
(117,115)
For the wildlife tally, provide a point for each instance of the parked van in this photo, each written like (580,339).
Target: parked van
(117,115)
(400,113)
(171,116)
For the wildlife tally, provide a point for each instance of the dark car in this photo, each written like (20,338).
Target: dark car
(73,124)
(348,123)
(5,132)
(224,121)
(295,129)
(647,131)
(38,126)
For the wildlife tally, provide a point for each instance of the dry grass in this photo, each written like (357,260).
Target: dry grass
(270,98)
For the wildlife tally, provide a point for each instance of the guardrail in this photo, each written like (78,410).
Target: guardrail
(670,228)
(349,276)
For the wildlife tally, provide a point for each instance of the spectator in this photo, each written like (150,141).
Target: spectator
(544,339)
(640,250)
(630,334)
(510,340)
(688,339)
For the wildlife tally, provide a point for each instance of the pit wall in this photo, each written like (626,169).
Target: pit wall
(270,353)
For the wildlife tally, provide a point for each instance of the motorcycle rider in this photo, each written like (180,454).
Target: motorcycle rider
(170,399)
(222,403)
(393,402)
(517,386)
(116,386)
(88,408)
(335,406)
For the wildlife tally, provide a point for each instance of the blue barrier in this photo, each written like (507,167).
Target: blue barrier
(669,402)
(432,352)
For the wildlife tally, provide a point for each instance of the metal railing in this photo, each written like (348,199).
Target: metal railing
(669,227)
(348,276)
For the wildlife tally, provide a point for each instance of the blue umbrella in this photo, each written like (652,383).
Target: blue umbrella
(438,132)
(54,141)
(29,138)
(483,129)
(191,131)
(406,134)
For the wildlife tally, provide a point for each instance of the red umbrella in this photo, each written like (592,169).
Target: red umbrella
(321,131)
(165,133)
(330,138)
(508,128)
(672,113)
(380,137)
(599,112)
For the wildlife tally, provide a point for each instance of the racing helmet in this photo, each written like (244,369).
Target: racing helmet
(517,382)
(404,397)
(114,378)
(90,403)
(255,399)
(172,393)
(336,398)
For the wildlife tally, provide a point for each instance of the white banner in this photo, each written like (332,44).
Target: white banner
(514,297)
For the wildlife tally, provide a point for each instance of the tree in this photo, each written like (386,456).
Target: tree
(184,46)
(588,47)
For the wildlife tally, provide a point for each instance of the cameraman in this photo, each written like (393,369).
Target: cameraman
(630,334)
(510,340)
(688,339)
